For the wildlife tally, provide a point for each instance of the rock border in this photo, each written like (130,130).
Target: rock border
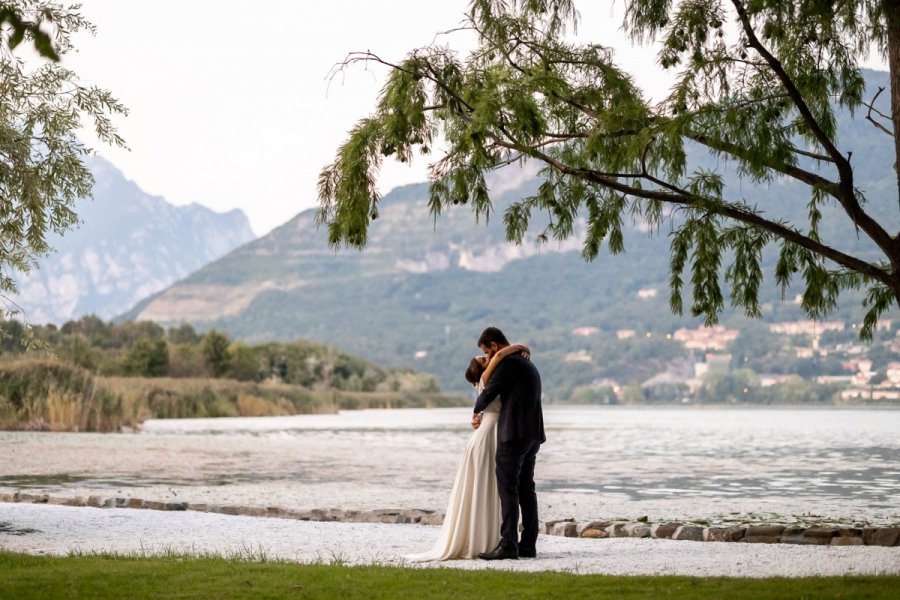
(748,534)
(673,530)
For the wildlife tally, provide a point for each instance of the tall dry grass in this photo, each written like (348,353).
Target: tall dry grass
(57,396)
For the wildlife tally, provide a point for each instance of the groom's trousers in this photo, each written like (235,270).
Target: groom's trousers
(515,482)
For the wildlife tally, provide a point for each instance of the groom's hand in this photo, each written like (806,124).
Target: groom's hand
(476,421)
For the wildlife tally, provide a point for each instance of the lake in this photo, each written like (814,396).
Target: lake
(598,463)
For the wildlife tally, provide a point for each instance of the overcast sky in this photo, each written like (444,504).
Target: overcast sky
(230,103)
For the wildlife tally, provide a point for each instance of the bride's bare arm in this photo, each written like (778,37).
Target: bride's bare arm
(501,354)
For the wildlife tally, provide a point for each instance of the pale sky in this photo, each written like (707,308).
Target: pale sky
(230,103)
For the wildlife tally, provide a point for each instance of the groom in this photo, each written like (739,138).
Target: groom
(520,433)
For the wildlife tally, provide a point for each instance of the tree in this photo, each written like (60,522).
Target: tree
(758,86)
(183,334)
(148,358)
(42,108)
(215,349)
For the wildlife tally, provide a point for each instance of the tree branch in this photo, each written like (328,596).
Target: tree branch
(680,198)
(847,195)
(872,109)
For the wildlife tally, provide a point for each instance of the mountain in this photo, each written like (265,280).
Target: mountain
(423,289)
(130,245)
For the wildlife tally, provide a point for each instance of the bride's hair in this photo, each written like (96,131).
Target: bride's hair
(473,373)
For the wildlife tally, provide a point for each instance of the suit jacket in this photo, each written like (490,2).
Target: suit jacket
(518,383)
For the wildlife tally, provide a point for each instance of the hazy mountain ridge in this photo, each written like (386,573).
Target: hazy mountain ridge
(422,290)
(130,245)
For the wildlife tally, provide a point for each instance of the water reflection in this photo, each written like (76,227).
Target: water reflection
(598,462)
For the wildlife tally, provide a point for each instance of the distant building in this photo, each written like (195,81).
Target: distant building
(834,379)
(586,331)
(718,362)
(646,293)
(870,394)
(808,327)
(624,334)
(770,380)
(706,338)
(580,356)
(892,373)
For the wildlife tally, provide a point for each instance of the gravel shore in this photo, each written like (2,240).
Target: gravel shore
(47,529)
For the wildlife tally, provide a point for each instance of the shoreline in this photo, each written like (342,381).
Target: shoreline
(60,530)
(817,533)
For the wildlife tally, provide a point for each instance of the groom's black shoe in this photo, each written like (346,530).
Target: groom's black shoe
(527,552)
(499,553)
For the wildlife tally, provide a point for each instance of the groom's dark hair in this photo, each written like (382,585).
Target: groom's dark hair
(492,335)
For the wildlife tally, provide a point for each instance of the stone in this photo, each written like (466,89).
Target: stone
(277,512)
(690,533)
(198,506)
(851,532)
(380,516)
(765,530)
(135,503)
(869,535)
(120,502)
(565,529)
(887,536)
(638,530)
(664,530)
(155,505)
(596,534)
(595,525)
(724,534)
(246,511)
(617,530)
(6,497)
(230,510)
(436,518)
(176,505)
(823,532)
(57,500)
(95,501)
(762,539)
(844,540)
(548,526)
(805,540)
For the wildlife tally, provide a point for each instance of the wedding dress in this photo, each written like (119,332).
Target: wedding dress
(472,522)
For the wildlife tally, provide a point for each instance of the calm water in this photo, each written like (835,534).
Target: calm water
(598,462)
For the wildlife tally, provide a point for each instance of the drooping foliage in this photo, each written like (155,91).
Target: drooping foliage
(758,85)
(43,105)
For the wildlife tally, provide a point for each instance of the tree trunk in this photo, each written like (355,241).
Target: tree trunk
(892,17)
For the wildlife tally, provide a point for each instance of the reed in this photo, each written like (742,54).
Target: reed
(43,394)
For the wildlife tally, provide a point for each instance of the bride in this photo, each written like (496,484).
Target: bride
(472,522)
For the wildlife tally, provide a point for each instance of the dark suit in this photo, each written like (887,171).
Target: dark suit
(520,433)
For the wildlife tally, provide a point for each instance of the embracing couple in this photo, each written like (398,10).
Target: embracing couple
(495,477)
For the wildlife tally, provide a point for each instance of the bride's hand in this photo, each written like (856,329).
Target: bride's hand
(476,421)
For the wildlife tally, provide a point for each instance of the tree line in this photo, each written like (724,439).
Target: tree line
(146,349)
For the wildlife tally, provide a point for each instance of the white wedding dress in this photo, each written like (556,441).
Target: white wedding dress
(472,522)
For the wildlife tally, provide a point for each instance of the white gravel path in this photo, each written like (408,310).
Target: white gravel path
(61,530)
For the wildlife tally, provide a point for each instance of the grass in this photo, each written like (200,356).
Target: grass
(254,576)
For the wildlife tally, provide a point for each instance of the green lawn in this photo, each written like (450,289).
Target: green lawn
(100,576)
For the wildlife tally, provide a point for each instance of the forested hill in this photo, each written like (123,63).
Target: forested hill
(422,290)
